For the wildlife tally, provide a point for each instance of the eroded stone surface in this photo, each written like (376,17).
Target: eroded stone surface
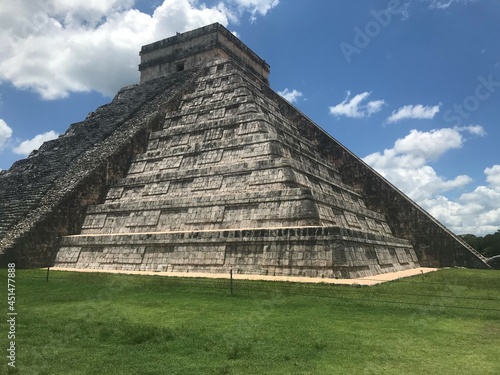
(226,159)
(219,172)
(46,195)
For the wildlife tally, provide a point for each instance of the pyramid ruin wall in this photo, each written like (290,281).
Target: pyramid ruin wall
(304,251)
(196,48)
(298,175)
(70,173)
(435,245)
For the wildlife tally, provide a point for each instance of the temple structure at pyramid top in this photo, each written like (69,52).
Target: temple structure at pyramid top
(203,167)
(197,48)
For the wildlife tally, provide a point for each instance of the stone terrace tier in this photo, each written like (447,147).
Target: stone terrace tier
(308,251)
(46,195)
(226,160)
(202,166)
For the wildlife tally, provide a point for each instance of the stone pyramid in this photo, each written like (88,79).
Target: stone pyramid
(225,174)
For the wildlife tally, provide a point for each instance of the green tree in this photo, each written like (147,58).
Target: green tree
(488,245)
(471,240)
(491,244)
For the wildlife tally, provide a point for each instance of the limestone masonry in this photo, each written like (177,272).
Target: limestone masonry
(202,167)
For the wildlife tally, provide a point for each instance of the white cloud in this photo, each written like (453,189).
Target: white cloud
(406,166)
(25,147)
(292,96)
(438,4)
(476,212)
(58,47)
(473,129)
(356,106)
(5,133)
(493,176)
(445,4)
(413,112)
(257,6)
(429,145)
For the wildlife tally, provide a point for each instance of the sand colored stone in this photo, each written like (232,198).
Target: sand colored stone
(368,280)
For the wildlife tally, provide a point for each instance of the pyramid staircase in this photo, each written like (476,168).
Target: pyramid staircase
(229,183)
(235,178)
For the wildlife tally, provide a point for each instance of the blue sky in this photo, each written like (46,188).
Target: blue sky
(412,87)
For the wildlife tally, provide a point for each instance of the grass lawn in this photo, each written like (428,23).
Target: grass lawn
(447,322)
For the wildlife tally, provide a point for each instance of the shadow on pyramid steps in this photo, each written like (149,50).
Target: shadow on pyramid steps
(203,167)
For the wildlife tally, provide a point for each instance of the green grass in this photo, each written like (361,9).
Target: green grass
(120,324)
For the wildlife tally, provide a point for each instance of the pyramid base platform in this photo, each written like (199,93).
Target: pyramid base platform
(326,252)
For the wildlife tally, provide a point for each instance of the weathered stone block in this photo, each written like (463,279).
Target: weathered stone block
(220,172)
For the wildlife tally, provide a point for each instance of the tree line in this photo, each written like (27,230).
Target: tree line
(488,245)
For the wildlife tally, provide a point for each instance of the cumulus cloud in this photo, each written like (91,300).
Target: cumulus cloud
(493,175)
(291,95)
(413,112)
(476,212)
(406,165)
(5,134)
(357,106)
(429,145)
(58,47)
(25,147)
(257,6)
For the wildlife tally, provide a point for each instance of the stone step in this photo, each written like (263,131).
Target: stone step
(334,252)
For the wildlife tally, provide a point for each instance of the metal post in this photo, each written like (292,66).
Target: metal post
(231,281)
(47,276)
